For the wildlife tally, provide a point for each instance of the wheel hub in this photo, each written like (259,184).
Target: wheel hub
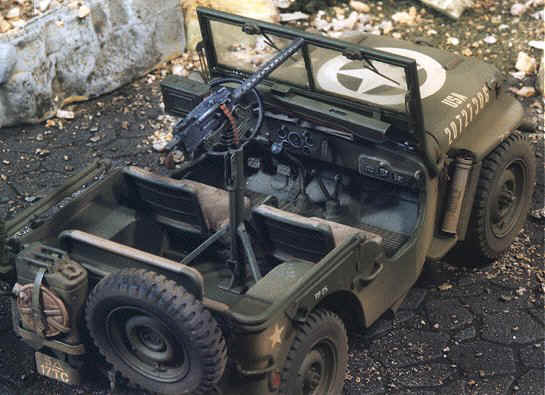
(316,372)
(146,344)
(151,339)
(147,338)
(506,206)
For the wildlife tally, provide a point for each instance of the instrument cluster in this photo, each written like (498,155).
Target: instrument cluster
(297,140)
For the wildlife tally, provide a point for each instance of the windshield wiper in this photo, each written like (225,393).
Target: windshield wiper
(270,42)
(359,55)
(252,29)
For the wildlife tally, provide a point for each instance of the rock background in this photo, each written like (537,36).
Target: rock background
(258,9)
(82,51)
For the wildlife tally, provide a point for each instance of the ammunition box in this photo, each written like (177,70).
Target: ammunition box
(181,95)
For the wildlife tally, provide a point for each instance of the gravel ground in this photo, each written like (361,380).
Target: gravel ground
(459,331)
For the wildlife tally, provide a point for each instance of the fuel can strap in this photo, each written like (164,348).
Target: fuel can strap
(39,325)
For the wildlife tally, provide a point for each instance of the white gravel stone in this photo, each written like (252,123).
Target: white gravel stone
(14,13)
(386,26)
(83,11)
(282,3)
(406,18)
(346,23)
(539,15)
(18,23)
(537,44)
(293,16)
(519,75)
(451,8)
(518,9)
(321,24)
(525,91)
(43,5)
(453,41)
(360,6)
(526,63)
(490,40)
(4,25)
(178,69)
(64,114)
(159,146)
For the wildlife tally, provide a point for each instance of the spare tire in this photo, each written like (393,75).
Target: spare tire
(155,333)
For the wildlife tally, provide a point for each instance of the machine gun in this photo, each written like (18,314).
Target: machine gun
(210,116)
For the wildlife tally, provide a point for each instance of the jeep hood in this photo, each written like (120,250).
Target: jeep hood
(431,96)
(455,90)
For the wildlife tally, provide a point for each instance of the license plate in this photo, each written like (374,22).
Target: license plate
(56,369)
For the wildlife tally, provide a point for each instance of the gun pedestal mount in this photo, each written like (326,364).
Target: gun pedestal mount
(240,241)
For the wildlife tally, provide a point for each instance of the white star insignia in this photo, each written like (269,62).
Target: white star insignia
(276,337)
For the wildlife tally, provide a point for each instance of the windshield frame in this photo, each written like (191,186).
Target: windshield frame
(412,116)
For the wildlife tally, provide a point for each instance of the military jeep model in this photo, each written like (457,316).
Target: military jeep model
(318,177)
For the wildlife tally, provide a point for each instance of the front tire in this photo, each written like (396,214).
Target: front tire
(318,356)
(156,334)
(503,197)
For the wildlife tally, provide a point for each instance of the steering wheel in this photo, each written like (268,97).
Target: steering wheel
(246,116)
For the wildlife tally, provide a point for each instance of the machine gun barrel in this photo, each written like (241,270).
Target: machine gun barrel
(267,69)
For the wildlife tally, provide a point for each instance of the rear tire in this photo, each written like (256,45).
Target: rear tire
(317,358)
(155,334)
(501,205)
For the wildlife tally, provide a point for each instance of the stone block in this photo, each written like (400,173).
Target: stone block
(61,57)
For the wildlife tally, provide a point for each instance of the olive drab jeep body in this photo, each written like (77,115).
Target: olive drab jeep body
(319,176)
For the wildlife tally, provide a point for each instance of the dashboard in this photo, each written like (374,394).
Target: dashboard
(350,140)
(305,140)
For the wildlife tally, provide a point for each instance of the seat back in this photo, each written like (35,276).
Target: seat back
(288,236)
(170,202)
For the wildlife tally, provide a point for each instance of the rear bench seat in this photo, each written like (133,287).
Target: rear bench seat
(287,235)
(184,204)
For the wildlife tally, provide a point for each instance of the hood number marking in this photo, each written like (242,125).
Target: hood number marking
(465,116)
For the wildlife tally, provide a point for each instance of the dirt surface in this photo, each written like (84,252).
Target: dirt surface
(459,331)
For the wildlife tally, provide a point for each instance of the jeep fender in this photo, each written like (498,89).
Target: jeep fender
(493,126)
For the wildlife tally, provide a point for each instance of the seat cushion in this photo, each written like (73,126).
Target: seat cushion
(340,232)
(214,203)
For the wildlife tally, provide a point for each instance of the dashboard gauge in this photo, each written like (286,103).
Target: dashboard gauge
(283,132)
(295,140)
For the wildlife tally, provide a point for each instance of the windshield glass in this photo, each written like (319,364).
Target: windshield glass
(244,52)
(367,78)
